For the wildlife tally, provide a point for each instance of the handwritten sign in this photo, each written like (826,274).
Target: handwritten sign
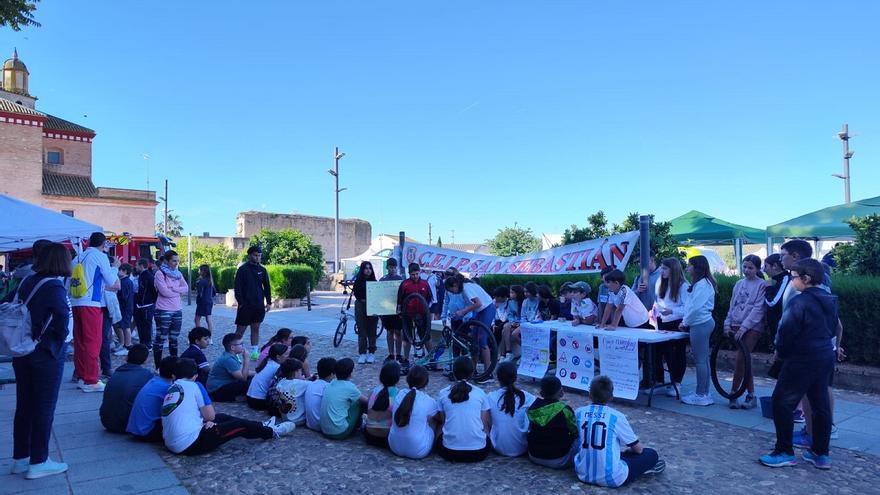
(620,362)
(382,297)
(535,351)
(574,359)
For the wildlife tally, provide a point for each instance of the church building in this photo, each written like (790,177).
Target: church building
(47,161)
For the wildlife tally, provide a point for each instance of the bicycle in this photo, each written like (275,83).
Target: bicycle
(729,343)
(464,340)
(345,313)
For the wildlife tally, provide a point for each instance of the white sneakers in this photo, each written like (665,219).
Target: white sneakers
(371,358)
(362,359)
(20,466)
(284,428)
(121,352)
(670,390)
(696,399)
(95,387)
(48,468)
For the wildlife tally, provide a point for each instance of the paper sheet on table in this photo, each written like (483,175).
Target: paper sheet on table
(535,351)
(620,362)
(574,358)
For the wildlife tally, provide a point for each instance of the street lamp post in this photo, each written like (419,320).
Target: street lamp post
(337,155)
(847,154)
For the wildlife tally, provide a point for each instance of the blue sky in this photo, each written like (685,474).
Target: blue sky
(468,115)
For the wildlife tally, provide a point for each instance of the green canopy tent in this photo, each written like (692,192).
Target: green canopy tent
(827,223)
(698,228)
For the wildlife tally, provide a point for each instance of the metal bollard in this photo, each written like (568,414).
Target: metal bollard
(309,295)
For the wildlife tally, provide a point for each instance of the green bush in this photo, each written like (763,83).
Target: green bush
(224,279)
(289,281)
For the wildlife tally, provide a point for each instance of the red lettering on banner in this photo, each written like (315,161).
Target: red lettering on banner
(536,265)
(586,259)
(560,262)
(573,259)
(438,260)
(462,263)
(548,267)
(598,258)
(424,257)
(513,267)
(498,267)
(618,253)
(450,262)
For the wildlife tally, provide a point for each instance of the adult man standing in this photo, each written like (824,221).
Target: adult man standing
(144,302)
(251,289)
(87,290)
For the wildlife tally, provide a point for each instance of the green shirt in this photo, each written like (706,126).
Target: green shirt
(335,405)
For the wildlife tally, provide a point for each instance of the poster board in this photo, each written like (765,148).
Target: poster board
(535,351)
(382,297)
(620,362)
(574,358)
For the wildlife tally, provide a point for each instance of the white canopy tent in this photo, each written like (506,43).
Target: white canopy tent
(22,223)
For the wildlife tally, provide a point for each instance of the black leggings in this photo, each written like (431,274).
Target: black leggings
(258,404)
(464,455)
(225,429)
(673,351)
(228,392)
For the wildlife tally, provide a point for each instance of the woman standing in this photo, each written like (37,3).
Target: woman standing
(699,322)
(745,322)
(672,292)
(170,285)
(36,374)
(366,324)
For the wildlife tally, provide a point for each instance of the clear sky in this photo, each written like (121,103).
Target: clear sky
(468,115)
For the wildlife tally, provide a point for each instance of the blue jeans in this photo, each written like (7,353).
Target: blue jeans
(700,347)
(487,317)
(639,463)
(37,382)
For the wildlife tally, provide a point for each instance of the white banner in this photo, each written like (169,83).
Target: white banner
(583,257)
(619,358)
(535,351)
(574,359)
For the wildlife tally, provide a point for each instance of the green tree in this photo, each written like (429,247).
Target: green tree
(217,255)
(662,243)
(513,241)
(290,247)
(175,226)
(18,13)
(597,227)
(863,257)
(439,241)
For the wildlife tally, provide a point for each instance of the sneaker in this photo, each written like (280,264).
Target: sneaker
(404,367)
(48,468)
(121,352)
(670,390)
(658,468)
(362,359)
(95,387)
(799,416)
(802,440)
(390,358)
(751,402)
(778,459)
(733,404)
(255,355)
(371,358)
(819,461)
(835,434)
(269,423)
(698,400)
(484,381)
(20,466)
(285,428)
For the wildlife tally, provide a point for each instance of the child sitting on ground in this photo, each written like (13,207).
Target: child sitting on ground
(604,431)
(199,338)
(282,336)
(553,431)
(509,406)
(583,311)
(230,376)
(301,352)
(259,388)
(286,397)
(342,403)
(145,419)
(464,413)
(623,304)
(415,424)
(379,407)
(315,392)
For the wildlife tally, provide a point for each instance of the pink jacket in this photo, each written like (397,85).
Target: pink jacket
(747,305)
(170,291)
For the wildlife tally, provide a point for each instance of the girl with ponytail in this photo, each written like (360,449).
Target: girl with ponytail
(464,410)
(379,407)
(259,388)
(509,406)
(415,423)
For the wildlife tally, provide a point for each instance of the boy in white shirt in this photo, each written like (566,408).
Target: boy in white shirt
(315,392)
(623,304)
(604,431)
(583,310)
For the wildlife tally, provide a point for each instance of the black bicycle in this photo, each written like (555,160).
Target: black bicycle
(725,342)
(346,314)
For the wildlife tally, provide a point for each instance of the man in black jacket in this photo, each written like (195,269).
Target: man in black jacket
(144,302)
(251,289)
(804,345)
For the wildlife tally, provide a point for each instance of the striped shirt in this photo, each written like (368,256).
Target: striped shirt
(604,431)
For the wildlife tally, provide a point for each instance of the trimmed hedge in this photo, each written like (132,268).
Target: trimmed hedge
(857,299)
(224,281)
(289,281)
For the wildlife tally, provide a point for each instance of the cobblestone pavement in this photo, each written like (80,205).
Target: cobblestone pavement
(702,456)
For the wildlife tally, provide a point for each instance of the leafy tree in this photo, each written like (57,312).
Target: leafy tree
(217,255)
(290,247)
(597,227)
(863,256)
(513,241)
(662,242)
(439,242)
(175,226)
(18,13)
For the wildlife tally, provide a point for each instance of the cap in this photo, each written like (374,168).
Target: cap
(581,287)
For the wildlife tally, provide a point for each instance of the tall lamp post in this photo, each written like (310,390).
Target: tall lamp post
(337,155)
(847,154)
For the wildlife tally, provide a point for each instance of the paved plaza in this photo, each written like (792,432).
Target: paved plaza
(706,449)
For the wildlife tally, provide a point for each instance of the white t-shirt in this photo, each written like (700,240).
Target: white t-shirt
(181,414)
(473,290)
(312,398)
(261,381)
(416,439)
(604,432)
(584,309)
(463,429)
(508,433)
(296,390)
(634,312)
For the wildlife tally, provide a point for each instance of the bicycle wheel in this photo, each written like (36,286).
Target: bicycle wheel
(340,331)
(416,321)
(476,329)
(379,331)
(730,344)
